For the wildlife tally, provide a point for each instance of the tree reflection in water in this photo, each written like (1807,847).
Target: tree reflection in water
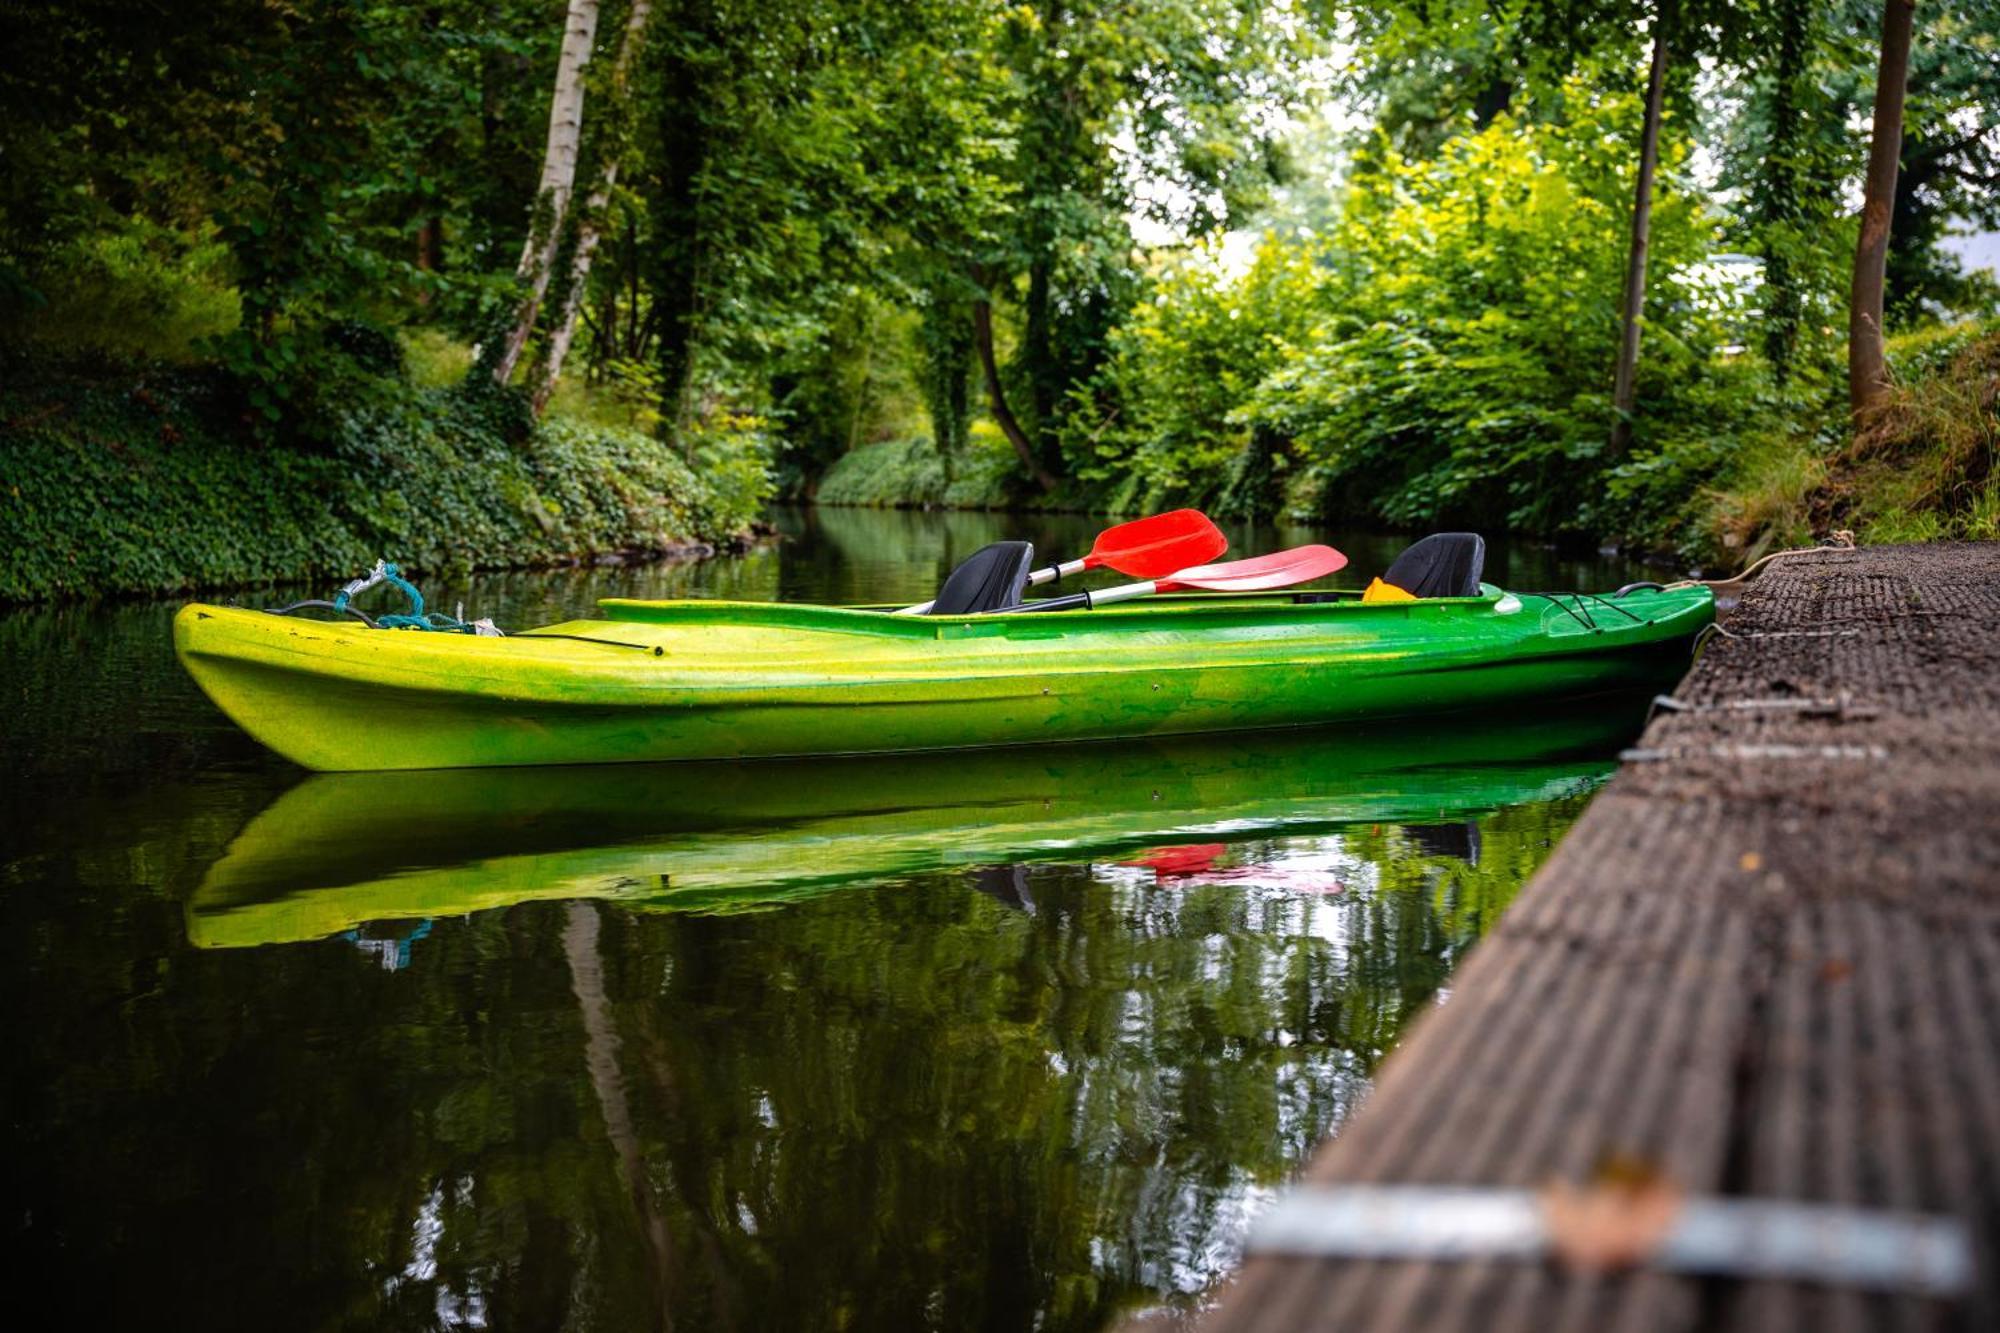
(915,1103)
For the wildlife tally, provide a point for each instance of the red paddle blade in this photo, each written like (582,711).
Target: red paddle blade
(1147,548)
(1280,569)
(1188,860)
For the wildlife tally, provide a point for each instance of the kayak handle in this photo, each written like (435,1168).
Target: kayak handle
(1074,601)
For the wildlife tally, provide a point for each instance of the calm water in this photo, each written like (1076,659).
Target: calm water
(984,1041)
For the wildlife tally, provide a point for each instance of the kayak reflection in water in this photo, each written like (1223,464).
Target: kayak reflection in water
(339,851)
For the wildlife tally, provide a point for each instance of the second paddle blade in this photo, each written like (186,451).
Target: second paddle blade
(1280,569)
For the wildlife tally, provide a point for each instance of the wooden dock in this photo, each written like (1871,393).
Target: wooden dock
(1764,964)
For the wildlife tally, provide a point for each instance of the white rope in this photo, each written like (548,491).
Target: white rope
(1840,540)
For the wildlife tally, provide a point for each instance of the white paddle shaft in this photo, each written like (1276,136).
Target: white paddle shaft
(1124,592)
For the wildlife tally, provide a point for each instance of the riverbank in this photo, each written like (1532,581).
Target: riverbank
(154,481)
(1919,467)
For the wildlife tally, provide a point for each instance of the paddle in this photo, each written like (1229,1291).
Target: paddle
(1145,548)
(1280,569)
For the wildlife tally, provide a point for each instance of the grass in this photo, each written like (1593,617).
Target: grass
(1918,467)
(1921,465)
(435,359)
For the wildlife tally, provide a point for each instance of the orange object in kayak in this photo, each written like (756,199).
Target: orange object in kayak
(1378,591)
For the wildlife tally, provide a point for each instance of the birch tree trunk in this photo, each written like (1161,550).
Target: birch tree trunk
(1625,383)
(589,223)
(1867,365)
(545,223)
(614,1102)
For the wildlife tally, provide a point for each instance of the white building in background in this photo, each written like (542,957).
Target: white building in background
(1976,250)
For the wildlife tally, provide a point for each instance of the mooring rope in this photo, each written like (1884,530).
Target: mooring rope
(1841,539)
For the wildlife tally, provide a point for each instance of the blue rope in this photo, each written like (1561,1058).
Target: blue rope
(415,618)
(395,958)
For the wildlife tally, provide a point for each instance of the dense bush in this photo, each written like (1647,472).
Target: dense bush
(894,473)
(149,483)
(1443,354)
(1166,420)
(140,291)
(910,474)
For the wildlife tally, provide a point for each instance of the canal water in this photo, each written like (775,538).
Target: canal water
(995,1040)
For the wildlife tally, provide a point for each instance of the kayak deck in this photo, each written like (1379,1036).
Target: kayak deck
(709,680)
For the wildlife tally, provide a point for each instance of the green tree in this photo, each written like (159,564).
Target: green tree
(1437,356)
(585,225)
(338,153)
(1797,153)
(1165,417)
(784,153)
(1163,111)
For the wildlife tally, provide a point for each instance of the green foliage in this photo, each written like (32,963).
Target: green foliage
(1764,503)
(945,347)
(133,290)
(1792,151)
(326,199)
(1471,332)
(790,158)
(1169,420)
(434,359)
(1442,355)
(911,474)
(731,455)
(987,475)
(1950,170)
(891,474)
(1165,111)
(275,162)
(1922,465)
(853,385)
(150,485)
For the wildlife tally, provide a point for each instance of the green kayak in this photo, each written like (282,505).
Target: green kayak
(340,851)
(697,680)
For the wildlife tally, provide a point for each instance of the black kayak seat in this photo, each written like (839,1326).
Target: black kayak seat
(992,578)
(1444,564)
